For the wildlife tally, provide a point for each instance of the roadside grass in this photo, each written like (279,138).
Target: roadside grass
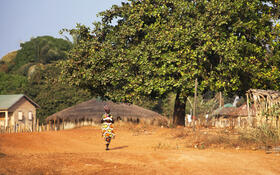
(252,138)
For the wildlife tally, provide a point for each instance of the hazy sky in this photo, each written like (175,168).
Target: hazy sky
(22,19)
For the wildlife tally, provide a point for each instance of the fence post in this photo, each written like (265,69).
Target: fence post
(54,124)
(63,124)
(49,125)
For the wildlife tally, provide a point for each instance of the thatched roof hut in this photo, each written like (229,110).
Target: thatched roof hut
(93,109)
(234,111)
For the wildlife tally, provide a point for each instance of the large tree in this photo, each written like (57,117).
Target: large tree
(154,47)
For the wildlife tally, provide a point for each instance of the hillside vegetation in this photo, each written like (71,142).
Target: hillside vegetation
(32,71)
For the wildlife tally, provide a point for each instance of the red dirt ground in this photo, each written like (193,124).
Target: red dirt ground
(134,151)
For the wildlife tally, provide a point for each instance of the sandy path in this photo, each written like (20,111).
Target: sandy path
(154,151)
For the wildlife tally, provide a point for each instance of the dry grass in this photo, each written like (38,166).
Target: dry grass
(162,146)
(9,57)
(257,138)
(264,135)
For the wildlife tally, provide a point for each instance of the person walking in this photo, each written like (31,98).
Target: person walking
(107,126)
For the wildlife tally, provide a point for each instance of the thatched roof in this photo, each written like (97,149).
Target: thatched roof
(243,111)
(234,111)
(93,110)
(223,111)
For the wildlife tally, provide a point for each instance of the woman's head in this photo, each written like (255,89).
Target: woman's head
(106,109)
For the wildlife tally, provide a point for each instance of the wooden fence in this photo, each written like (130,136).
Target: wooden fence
(239,122)
(230,122)
(51,126)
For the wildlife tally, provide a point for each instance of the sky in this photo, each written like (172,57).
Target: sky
(22,19)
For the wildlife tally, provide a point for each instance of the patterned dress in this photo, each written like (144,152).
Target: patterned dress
(107,127)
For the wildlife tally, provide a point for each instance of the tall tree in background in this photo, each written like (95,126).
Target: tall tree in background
(157,47)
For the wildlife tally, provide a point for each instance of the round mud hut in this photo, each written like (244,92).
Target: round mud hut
(89,113)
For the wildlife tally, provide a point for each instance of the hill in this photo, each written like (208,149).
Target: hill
(6,60)
(32,71)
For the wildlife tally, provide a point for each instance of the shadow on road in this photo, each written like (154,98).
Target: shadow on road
(120,147)
(2,155)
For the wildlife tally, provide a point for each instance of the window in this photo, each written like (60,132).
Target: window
(20,115)
(30,115)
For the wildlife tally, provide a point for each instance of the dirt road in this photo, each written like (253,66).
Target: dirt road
(134,151)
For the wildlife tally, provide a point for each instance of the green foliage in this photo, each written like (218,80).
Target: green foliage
(43,49)
(203,106)
(12,84)
(160,47)
(6,60)
(40,81)
(164,106)
(52,96)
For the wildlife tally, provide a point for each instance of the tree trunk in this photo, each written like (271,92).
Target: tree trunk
(179,111)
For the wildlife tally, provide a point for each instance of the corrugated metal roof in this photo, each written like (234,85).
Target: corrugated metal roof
(7,101)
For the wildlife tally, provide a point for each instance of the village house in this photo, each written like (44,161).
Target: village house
(230,116)
(17,110)
(262,107)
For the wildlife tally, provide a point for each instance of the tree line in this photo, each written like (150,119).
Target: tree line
(151,48)
(150,52)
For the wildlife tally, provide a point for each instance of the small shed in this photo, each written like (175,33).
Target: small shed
(225,111)
(17,109)
(222,117)
(90,112)
(229,116)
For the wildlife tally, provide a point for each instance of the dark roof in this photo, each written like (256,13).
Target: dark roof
(243,111)
(234,111)
(7,101)
(93,109)
(223,111)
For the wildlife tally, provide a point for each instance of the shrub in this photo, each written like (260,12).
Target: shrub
(264,135)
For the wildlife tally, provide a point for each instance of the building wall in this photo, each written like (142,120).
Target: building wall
(23,106)
(2,119)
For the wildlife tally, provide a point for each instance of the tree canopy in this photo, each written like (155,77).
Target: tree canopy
(157,47)
(42,49)
(10,84)
(52,96)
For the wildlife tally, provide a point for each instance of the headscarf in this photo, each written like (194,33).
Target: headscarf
(106,109)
